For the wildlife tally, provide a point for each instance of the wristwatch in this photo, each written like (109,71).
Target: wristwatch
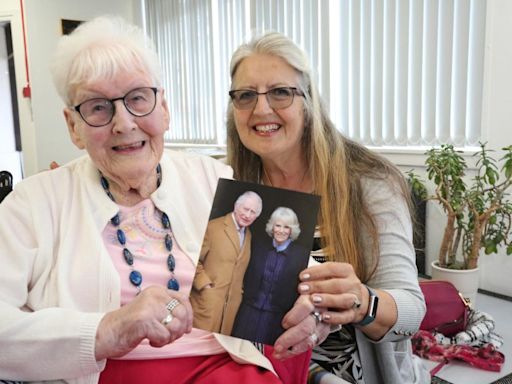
(372,308)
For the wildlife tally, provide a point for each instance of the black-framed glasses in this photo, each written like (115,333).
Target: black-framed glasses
(277,98)
(100,111)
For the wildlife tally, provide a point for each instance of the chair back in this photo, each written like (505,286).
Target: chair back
(5,184)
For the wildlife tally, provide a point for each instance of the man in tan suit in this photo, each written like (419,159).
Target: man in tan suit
(217,289)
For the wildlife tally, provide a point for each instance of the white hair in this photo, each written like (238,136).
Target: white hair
(99,49)
(288,217)
(250,194)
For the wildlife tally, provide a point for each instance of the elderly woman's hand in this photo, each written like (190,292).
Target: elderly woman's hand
(303,331)
(146,317)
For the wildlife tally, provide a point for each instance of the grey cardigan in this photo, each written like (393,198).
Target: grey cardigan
(390,359)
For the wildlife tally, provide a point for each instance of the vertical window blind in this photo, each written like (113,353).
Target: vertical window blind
(392,72)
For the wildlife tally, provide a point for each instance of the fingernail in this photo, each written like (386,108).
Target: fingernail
(306,276)
(304,287)
(326,316)
(317,299)
(278,349)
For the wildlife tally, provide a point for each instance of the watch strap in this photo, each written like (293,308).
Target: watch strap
(372,308)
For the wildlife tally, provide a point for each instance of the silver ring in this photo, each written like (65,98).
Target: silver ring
(314,338)
(357,304)
(172,304)
(167,319)
(317,316)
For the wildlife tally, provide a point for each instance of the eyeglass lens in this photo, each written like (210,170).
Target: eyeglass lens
(277,98)
(100,111)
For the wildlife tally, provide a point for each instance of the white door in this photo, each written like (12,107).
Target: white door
(10,156)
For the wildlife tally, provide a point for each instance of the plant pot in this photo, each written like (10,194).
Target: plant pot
(465,280)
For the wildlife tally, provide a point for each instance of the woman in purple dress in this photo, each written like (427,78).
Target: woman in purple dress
(270,282)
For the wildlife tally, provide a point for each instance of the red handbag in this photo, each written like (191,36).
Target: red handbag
(447,310)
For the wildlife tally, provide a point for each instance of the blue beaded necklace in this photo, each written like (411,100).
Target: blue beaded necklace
(135,276)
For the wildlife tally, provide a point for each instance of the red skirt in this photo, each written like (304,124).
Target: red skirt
(213,369)
(293,370)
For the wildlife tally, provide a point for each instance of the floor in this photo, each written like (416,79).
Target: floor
(462,373)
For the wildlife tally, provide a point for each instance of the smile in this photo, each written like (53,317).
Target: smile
(132,146)
(267,128)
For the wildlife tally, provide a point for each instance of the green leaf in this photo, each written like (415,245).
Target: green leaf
(508,169)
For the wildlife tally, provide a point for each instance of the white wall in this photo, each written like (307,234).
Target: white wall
(10,160)
(44,134)
(496,270)
(497,111)
(43,25)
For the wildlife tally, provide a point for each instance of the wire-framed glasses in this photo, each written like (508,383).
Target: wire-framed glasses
(277,98)
(100,111)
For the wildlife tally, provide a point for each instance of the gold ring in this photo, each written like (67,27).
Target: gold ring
(167,319)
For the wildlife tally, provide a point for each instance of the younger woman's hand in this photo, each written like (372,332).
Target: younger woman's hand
(336,289)
(342,298)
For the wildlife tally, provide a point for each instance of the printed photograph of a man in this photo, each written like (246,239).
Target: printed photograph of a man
(217,289)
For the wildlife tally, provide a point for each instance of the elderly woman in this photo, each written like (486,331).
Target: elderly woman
(269,288)
(279,134)
(98,256)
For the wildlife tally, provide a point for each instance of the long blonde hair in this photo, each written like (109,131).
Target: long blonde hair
(336,164)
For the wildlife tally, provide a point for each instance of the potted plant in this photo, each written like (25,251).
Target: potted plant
(479,213)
